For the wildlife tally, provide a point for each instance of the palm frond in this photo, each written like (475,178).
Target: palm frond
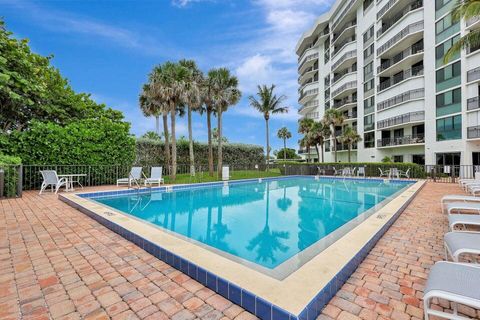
(470,40)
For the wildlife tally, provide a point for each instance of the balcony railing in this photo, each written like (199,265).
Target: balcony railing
(399,77)
(410,29)
(473,103)
(342,44)
(307,93)
(404,97)
(350,115)
(399,141)
(473,74)
(402,119)
(307,59)
(472,21)
(344,28)
(387,25)
(346,86)
(473,132)
(309,104)
(347,55)
(344,101)
(385,8)
(414,49)
(340,17)
(340,75)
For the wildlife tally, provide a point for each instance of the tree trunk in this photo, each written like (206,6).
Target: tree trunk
(174,144)
(190,142)
(318,152)
(210,146)
(308,153)
(323,155)
(335,144)
(167,139)
(268,143)
(284,150)
(349,151)
(157,124)
(219,128)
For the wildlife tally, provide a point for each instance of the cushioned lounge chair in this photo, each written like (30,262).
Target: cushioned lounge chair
(455,220)
(155,176)
(458,243)
(462,206)
(134,176)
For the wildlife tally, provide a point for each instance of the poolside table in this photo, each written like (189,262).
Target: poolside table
(72,178)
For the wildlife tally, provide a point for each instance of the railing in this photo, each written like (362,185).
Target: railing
(386,26)
(344,101)
(385,8)
(404,97)
(472,21)
(412,28)
(341,45)
(309,69)
(473,103)
(414,49)
(398,141)
(340,75)
(340,17)
(307,59)
(406,74)
(473,74)
(347,55)
(310,81)
(351,115)
(473,132)
(307,93)
(10,181)
(399,120)
(346,86)
(310,104)
(344,28)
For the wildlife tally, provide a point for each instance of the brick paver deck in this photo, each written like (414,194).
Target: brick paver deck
(57,263)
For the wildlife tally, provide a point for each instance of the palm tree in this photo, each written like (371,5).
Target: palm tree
(193,102)
(149,107)
(333,118)
(225,93)
(284,134)
(350,137)
(466,9)
(267,104)
(209,108)
(304,127)
(319,132)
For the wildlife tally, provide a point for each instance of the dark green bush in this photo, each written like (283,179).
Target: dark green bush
(10,166)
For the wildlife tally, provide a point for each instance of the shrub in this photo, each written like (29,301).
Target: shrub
(10,165)
(150,152)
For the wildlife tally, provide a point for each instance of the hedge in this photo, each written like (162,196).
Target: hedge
(10,166)
(152,152)
(371,168)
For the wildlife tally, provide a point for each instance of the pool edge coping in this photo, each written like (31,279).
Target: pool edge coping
(253,302)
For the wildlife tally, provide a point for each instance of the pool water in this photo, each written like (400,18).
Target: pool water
(265,223)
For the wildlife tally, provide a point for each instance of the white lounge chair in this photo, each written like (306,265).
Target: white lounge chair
(155,176)
(384,173)
(361,172)
(455,282)
(464,220)
(135,176)
(462,206)
(405,174)
(473,190)
(50,178)
(394,172)
(458,243)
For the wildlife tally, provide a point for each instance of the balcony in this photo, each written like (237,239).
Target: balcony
(308,62)
(471,23)
(339,18)
(410,117)
(386,8)
(306,96)
(401,141)
(414,28)
(386,25)
(410,55)
(401,76)
(473,75)
(351,100)
(342,44)
(307,73)
(350,55)
(344,147)
(401,98)
(340,75)
(350,115)
(473,132)
(473,103)
(345,89)
(347,29)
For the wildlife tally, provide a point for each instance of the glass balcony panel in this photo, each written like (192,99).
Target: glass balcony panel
(449,83)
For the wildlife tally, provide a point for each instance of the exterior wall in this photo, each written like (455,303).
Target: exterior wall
(406,140)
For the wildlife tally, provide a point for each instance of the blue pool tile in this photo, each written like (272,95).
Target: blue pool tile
(202,276)
(211,281)
(222,287)
(183,265)
(248,301)
(192,270)
(279,314)
(263,309)
(235,294)
(303,315)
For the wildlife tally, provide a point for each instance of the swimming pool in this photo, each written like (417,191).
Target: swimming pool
(258,242)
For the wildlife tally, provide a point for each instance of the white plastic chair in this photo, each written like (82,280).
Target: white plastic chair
(155,176)
(135,175)
(394,172)
(361,171)
(50,178)
(384,173)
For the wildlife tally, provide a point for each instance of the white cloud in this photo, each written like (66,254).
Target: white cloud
(185,3)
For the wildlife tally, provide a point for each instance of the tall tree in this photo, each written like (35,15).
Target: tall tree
(193,102)
(305,127)
(350,137)
(225,94)
(268,103)
(319,132)
(149,107)
(284,134)
(333,118)
(466,9)
(209,108)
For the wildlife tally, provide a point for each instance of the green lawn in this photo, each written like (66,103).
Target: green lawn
(235,175)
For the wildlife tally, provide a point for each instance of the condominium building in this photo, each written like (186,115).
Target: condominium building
(380,62)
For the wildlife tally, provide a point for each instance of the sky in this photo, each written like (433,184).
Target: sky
(108,48)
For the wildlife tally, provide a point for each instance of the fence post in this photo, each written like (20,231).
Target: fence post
(2,183)
(20,181)
(89,179)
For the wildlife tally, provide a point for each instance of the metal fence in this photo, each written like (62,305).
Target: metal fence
(15,178)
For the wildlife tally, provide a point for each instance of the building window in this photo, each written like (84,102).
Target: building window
(449,102)
(398,158)
(369,122)
(445,28)
(439,4)
(368,71)
(368,52)
(449,76)
(369,105)
(369,85)
(369,34)
(449,128)
(366,4)
(443,48)
(418,159)
(369,140)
